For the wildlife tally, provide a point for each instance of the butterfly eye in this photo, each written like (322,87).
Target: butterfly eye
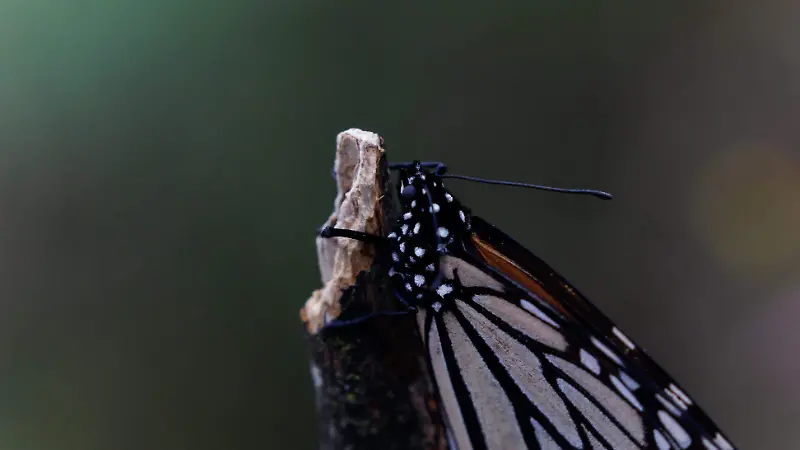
(408,191)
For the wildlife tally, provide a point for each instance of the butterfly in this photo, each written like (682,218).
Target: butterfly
(521,359)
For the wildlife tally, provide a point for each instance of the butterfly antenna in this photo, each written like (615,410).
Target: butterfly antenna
(593,192)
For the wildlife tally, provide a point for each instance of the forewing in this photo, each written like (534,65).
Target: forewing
(522,360)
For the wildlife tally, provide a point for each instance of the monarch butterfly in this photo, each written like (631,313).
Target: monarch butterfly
(519,357)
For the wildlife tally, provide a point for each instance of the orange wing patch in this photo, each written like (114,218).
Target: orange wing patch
(513,271)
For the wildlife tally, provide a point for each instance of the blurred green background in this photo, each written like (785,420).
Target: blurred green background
(164,166)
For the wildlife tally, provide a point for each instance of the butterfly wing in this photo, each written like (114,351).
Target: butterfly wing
(522,360)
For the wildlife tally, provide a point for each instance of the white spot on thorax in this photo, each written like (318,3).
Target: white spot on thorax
(419,280)
(448,197)
(316,376)
(444,289)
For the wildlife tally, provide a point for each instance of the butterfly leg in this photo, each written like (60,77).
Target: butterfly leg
(330,232)
(344,323)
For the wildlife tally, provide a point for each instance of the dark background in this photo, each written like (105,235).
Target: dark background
(164,165)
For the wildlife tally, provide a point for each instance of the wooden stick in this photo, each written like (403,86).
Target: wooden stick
(371,380)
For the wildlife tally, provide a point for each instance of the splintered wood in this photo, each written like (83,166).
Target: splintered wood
(357,207)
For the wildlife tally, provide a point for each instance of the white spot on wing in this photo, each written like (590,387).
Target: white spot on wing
(531,308)
(392,235)
(395,258)
(435,208)
(436,306)
(402,247)
(606,351)
(622,389)
(430,267)
(630,382)
(722,442)
(404,229)
(590,362)
(680,393)
(416,227)
(413,203)
(628,343)
(443,232)
(448,197)
(419,251)
(677,400)
(408,287)
(407,215)
(461,215)
(667,404)
(610,400)
(661,441)
(419,280)
(671,425)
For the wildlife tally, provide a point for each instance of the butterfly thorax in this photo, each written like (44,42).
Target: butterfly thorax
(431,221)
